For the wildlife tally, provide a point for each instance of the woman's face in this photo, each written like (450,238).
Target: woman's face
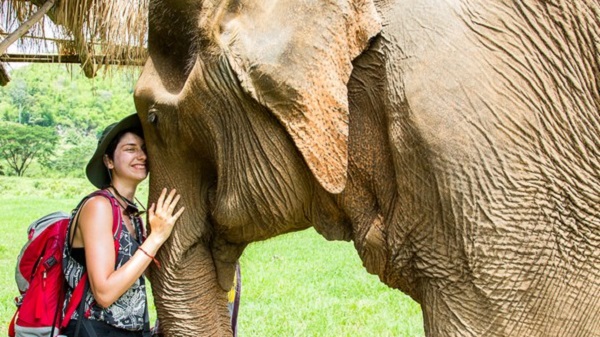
(129,159)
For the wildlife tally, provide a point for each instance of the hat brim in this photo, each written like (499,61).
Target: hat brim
(96,171)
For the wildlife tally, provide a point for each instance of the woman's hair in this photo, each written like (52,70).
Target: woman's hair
(112,146)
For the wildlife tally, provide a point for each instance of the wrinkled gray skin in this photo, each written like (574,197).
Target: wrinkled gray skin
(454,142)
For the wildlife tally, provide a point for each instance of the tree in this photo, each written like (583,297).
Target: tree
(73,152)
(20,99)
(21,144)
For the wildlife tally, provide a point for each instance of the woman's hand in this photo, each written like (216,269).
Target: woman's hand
(161,217)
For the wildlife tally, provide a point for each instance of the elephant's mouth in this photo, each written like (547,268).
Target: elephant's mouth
(225,254)
(211,197)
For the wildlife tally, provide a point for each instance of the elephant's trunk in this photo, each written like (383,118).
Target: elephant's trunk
(190,301)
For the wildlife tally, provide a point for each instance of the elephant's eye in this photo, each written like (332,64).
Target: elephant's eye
(153,115)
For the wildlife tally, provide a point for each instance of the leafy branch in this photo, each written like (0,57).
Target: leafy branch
(21,144)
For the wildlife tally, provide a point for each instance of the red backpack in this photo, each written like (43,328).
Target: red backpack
(40,277)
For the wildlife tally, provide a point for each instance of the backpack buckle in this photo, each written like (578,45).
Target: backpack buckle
(19,301)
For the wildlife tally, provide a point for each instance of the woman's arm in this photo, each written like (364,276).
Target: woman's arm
(96,222)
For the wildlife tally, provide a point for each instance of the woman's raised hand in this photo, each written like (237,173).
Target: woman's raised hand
(161,217)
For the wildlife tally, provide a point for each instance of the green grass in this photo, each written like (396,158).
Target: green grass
(297,284)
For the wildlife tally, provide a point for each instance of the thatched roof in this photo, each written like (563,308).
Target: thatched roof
(97,31)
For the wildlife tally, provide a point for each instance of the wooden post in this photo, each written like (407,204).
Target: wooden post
(4,78)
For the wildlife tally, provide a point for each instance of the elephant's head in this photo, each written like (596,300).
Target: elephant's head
(244,105)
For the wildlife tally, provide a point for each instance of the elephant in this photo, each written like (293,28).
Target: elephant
(454,142)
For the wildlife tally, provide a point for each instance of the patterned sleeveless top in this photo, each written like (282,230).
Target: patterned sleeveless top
(128,311)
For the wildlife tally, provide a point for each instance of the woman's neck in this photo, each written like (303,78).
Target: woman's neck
(124,190)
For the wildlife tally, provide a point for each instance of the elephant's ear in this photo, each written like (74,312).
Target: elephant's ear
(295,57)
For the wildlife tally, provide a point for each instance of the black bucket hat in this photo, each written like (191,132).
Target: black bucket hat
(96,172)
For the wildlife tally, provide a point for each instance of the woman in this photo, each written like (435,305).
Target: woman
(115,303)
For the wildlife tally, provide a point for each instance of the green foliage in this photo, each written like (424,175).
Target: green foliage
(74,151)
(50,95)
(78,108)
(21,144)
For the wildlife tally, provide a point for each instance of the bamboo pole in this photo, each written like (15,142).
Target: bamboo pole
(24,28)
(55,58)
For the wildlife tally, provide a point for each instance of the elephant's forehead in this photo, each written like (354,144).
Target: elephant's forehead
(264,42)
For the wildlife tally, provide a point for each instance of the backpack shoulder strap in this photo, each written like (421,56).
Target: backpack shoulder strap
(117,219)
(76,297)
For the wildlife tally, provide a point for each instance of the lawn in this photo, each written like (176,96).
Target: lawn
(296,284)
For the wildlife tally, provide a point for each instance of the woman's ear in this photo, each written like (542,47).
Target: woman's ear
(108,162)
(296,59)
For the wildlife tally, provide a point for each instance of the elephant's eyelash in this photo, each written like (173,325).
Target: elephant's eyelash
(153,115)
